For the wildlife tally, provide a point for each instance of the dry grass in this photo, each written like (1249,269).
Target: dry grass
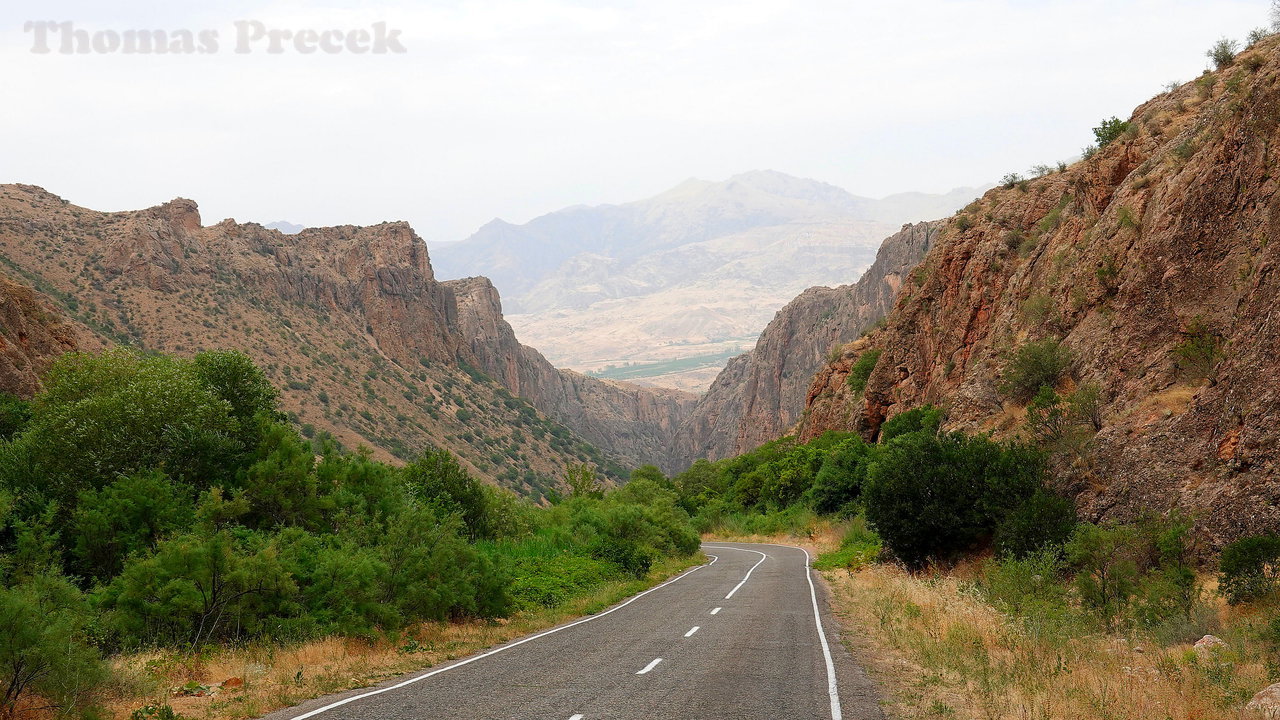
(821,536)
(274,676)
(942,652)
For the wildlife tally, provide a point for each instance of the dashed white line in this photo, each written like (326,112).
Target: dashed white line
(715,610)
(649,667)
(747,577)
(502,648)
(832,691)
(695,629)
(576,717)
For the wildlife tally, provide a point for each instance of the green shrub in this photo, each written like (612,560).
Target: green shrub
(624,553)
(14,414)
(1043,522)
(859,546)
(1110,129)
(924,419)
(43,650)
(1035,365)
(1248,568)
(838,484)
(861,370)
(935,496)
(1196,356)
(440,480)
(1009,181)
(1105,558)
(1223,53)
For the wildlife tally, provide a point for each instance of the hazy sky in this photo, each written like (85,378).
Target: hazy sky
(516,108)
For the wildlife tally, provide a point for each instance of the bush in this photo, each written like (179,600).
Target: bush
(859,546)
(1033,366)
(935,496)
(42,645)
(1223,53)
(925,419)
(1196,356)
(838,484)
(14,414)
(1248,568)
(440,480)
(862,369)
(624,553)
(1043,522)
(1110,129)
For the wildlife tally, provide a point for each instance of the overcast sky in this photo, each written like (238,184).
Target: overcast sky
(515,108)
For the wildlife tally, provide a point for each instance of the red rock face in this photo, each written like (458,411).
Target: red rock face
(635,423)
(32,335)
(1168,232)
(352,314)
(760,396)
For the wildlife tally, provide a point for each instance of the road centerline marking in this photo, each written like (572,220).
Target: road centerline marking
(695,629)
(576,717)
(715,611)
(495,651)
(649,667)
(747,577)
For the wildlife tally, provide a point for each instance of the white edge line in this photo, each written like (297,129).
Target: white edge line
(695,629)
(494,651)
(650,666)
(747,577)
(832,691)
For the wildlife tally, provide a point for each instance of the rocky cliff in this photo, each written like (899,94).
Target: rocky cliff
(1155,264)
(760,395)
(32,335)
(349,321)
(635,423)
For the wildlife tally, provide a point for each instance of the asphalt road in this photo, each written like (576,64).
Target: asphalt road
(736,639)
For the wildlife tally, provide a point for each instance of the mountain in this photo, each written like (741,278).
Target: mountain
(669,287)
(761,394)
(349,321)
(1154,262)
(285,227)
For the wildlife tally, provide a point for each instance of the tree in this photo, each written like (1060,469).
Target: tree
(1109,130)
(127,517)
(1106,559)
(42,648)
(439,480)
(1035,365)
(582,481)
(926,419)
(1249,567)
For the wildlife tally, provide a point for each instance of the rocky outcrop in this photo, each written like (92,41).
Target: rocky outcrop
(349,321)
(32,335)
(637,424)
(760,395)
(1155,262)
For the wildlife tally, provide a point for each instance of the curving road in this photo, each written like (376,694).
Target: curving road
(746,636)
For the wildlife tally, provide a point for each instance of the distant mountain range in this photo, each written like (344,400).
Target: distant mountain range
(665,289)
